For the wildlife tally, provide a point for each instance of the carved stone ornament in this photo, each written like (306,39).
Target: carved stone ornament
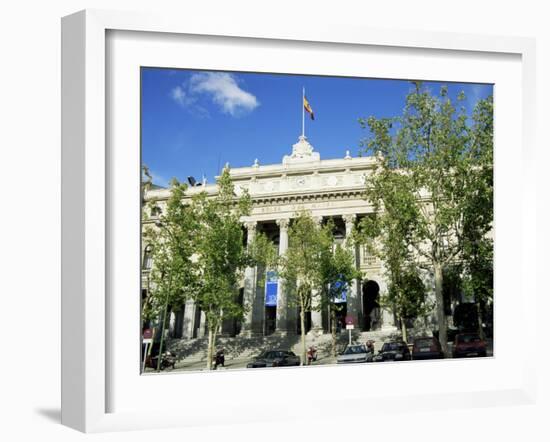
(283,223)
(349,219)
(302,152)
(251,226)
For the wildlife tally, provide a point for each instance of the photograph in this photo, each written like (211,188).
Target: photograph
(292,220)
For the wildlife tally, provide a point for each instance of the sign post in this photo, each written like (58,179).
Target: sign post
(350,320)
(148,341)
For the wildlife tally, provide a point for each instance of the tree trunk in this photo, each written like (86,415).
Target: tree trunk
(214,337)
(164,322)
(441,318)
(403,329)
(162,328)
(303,332)
(210,349)
(333,331)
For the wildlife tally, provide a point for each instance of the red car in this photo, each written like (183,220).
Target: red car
(469,345)
(427,348)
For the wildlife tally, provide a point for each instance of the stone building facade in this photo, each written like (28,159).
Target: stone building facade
(331,188)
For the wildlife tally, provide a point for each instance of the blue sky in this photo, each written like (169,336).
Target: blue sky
(193,122)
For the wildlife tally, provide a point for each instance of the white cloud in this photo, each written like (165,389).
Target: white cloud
(181,97)
(224,91)
(221,88)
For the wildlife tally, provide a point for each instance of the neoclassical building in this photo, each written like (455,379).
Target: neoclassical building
(327,188)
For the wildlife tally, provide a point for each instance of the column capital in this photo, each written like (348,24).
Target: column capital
(283,223)
(251,225)
(349,218)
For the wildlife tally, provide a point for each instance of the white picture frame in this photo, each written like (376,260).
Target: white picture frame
(87,218)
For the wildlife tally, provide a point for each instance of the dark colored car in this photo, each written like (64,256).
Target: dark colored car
(275,358)
(393,351)
(427,348)
(469,345)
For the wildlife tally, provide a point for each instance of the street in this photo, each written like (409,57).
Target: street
(194,363)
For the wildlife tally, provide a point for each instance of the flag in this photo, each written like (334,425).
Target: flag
(308,108)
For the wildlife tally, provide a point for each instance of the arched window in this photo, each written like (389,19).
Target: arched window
(148,258)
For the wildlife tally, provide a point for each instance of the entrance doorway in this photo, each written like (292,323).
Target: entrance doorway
(238,324)
(197,323)
(307,322)
(340,314)
(270,318)
(178,323)
(371,307)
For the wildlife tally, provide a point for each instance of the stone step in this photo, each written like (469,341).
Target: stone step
(194,350)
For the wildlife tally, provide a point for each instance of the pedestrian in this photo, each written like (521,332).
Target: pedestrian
(370,345)
(219,359)
(311,355)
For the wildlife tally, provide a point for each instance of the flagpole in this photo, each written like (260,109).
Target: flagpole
(303,112)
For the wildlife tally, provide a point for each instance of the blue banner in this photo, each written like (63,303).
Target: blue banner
(339,296)
(271,287)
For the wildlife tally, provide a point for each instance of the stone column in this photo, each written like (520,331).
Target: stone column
(316,314)
(282,323)
(202,326)
(249,294)
(188,319)
(386,316)
(172,324)
(353,298)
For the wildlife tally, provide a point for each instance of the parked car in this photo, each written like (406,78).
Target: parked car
(427,348)
(274,358)
(469,345)
(451,333)
(393,351)
(354,353)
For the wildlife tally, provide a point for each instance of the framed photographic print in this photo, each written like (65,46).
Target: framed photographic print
(251,214)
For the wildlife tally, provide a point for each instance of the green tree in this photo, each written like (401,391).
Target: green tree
(221,255)
(431,163)
(337,272)
(477,283)
(477,257)
(387,234)
(169,238)
(299,268)
(264,254)
(407,296)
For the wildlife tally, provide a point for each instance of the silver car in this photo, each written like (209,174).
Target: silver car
(355,353)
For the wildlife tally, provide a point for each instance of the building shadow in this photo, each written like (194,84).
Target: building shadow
(51,414)
(234,347)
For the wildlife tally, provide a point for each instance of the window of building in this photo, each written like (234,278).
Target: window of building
(148,258)
(156,211)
